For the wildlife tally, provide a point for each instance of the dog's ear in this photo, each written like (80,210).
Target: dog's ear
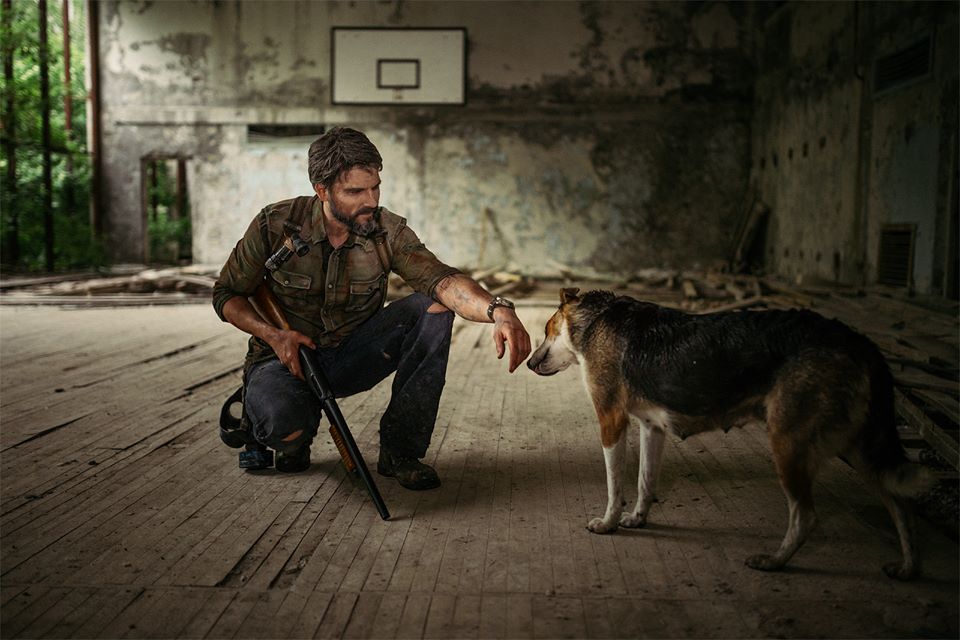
(568,295)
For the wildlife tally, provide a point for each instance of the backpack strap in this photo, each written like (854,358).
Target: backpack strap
(383,250)
(298,213)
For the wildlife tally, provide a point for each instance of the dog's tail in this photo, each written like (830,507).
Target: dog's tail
(883,451)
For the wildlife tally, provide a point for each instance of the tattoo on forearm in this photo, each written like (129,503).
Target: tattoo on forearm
(464,296)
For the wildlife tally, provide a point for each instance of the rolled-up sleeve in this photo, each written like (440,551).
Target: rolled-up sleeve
(243,270)
(416,264)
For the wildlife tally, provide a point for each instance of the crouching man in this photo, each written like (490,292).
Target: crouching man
(333,299)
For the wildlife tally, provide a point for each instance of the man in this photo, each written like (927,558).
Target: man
(333,299)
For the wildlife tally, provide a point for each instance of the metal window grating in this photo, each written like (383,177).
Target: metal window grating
(904,66)
(895,263)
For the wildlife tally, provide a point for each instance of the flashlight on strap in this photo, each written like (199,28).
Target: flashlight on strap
(292,244)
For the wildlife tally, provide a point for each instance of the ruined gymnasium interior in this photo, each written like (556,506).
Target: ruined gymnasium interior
(707,156)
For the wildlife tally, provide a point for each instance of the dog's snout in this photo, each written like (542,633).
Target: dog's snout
(534,360)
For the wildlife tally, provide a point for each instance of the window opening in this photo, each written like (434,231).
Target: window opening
(166,205)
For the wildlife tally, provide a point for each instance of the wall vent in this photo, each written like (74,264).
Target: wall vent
(895,263)
(903,67)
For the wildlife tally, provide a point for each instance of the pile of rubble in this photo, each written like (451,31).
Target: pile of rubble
(119,287)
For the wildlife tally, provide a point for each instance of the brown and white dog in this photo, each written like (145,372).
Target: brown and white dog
(822,389)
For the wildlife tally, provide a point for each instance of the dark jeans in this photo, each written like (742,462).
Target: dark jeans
(403,338)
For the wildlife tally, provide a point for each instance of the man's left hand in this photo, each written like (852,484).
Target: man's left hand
(509,331)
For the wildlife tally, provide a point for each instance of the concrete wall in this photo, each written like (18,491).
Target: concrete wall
(834,158)
(603,136)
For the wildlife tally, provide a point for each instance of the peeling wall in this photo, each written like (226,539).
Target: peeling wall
(834,158)
(596,135)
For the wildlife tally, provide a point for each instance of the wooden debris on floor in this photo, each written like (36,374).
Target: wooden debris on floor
(122,287)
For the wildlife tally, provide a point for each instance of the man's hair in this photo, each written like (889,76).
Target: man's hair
(339,150)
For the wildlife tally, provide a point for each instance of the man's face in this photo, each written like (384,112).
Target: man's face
(354,199)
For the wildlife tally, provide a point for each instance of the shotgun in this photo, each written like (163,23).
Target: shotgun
(267,306)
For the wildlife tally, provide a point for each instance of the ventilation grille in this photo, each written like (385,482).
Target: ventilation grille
(903,67)
(895,264)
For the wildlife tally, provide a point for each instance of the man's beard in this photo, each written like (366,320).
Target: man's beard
(361,229)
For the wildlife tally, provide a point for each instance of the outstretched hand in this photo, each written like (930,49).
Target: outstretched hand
(286,344)
(509,331)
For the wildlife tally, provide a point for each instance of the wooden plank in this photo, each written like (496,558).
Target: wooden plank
(387,618)
(342,525)
(84,606)
(202,622)
(23,605)
(231,620)
(337,615)
(319,517)
(263,620)
(497,559)
(414,617)
(170,612)
(493,619)
(311,615)
(946,446)
(947,405)
(363,615)
(466,617)
(461,564)
(106,609)
(558,617)
(439,622)
(290,610)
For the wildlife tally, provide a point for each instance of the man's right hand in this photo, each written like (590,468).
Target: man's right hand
(286,344)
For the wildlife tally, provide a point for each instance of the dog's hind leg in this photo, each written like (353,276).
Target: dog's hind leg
(796,470)
(902,516)
(651,453)
(901,512)
(613,435)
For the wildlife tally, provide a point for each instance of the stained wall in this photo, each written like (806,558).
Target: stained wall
(599,136)
(837,153)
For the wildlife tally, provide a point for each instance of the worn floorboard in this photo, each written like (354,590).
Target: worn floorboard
(122,514)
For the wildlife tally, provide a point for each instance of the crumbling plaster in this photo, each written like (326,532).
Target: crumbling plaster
(603,136)
(832,159)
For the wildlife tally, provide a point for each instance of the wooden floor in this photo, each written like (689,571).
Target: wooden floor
(124,516)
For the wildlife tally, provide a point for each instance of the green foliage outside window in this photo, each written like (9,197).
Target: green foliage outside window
(21,201)
(168,228)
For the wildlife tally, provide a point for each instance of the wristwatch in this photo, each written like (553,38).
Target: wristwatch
(498,302)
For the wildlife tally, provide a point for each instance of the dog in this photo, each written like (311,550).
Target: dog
(822,389)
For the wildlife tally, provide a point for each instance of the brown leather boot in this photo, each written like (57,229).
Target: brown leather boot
(409,472)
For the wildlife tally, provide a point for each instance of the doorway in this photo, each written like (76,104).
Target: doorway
(168,234)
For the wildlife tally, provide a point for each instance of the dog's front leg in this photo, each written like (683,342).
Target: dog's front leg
(651,453)
(613,435)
